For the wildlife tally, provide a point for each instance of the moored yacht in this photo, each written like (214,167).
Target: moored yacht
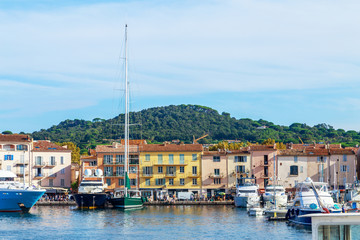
(275,194)
(91,192)
(247,195)
(311,197)
(16,196)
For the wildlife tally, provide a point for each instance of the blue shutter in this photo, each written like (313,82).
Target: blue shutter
(245,159)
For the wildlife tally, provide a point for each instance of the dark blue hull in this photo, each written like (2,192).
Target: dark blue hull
(298,216)
(90,200)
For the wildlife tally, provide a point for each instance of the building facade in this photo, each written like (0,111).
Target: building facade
(167,169)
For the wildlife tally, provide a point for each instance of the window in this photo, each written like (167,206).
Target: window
(62,160)
(21,147)
(321,159)
(132,169)
(194,157)
(51,182)
(293,170)
(122,182)
(240,159)
(217,180)
(93,163)
(295,159)
(108,159)
(217,172)
(240,169)
(120,171)
(119,159)
(147,171)
(62,171)
(266,159)
(171,171)
(160,169)
(216,158)
(22,169)
(8,147)
(182,181)
(171,158)
(147,157)
(344,168)
(160,181)
(9,157)
(344,158)
(38,160)
(108,171)
(160,158)
(194,170)
(182,169)
(171,181)
(52,161)
(8,168)
(182,158)
(108,181)
(62,182)
(301,169)
(133,181)
(147,182)
(22,158)
(134,159)
(194,181)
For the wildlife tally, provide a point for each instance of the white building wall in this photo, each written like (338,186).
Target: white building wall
(284,163)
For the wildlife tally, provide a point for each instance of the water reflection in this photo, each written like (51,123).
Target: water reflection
(151,222)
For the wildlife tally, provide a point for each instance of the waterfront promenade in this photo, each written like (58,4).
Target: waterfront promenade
(153,203)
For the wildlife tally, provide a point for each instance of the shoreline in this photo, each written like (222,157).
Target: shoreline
(154,203)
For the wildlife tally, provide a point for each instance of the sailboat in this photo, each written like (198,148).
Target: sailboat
(126,198)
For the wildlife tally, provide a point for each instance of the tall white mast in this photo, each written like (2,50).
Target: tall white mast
(126,163)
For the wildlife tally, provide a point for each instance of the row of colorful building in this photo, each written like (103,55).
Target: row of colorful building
(169,168)
(159,169)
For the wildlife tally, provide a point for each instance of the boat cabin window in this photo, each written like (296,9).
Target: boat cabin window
(8,179)
(297,203)
(247,191)
(90,184)
(272,190)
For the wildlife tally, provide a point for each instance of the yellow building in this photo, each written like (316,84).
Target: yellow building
(166,169)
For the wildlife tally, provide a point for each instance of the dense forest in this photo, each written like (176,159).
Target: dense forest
(183,122)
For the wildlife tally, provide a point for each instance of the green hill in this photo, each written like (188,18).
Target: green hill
(185,121)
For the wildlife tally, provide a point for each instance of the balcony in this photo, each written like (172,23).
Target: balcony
(119,174)
(213,175)
(193,175)
(173,174)
(20,162)
(21,173)
(169,164)
(108,162)
(118,163)
(39,176)
(51,164)
(146,174)
(39,164)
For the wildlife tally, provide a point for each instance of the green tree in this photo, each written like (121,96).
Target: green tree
(75,154)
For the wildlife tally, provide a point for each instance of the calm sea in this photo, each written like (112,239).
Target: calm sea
(153,222)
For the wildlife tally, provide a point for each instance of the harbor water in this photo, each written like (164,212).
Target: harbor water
(151,222)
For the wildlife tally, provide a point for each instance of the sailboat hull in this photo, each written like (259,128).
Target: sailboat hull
(127,202)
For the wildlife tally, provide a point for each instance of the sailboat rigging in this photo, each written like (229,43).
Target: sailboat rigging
(126,197)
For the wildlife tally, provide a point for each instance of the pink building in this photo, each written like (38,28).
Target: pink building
(262,163)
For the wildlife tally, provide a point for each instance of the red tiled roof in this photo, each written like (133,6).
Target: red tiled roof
(291,152)
(46,146)
(134,142)
(213,153)
(317,152)
(262,148)
(171,148)
(14,138)
(342,151)
(313,146)
(118,149)
(245,150)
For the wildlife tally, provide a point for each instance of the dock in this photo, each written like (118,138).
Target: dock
(56,203)
(164,203)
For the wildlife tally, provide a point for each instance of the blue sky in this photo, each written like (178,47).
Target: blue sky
(282,61)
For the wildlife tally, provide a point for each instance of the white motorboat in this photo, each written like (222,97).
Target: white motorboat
(311,197)
(256,211)
(16,196)
(247,195)
(275,194)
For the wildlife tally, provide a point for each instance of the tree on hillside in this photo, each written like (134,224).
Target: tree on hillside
(75,154)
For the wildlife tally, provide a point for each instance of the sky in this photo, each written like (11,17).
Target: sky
(282,61)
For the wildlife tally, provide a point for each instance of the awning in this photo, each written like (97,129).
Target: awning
(55,190)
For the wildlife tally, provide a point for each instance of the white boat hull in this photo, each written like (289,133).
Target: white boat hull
(281,200)
(246,201)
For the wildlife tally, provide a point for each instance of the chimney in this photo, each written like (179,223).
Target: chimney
(115,145)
